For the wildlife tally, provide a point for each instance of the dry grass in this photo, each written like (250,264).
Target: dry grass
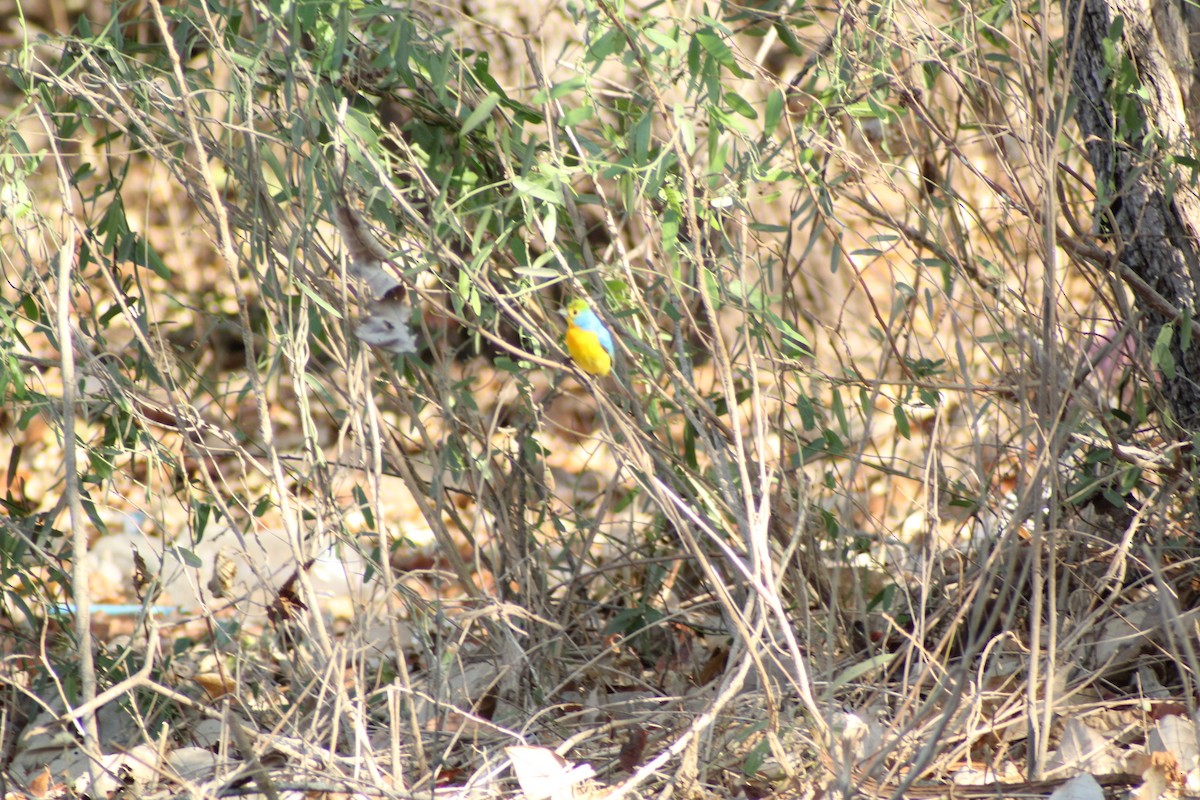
(948,537)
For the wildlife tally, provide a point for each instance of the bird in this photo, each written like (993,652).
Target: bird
(588,340)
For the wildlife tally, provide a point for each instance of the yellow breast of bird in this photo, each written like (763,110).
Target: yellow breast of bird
(587,351)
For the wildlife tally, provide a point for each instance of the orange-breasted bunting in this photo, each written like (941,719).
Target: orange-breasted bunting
(588,340)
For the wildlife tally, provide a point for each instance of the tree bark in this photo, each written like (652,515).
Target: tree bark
(1148,204)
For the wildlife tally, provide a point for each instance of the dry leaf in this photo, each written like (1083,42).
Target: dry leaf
(224,571)
(1162,773)
(287,604)
(1177,736)
(360,240)
(544,774)
(1083,748)
(215,684)
(1081,787)
(449,776)
(40,785)
(387,327)
(381,284)
(714,666)
(141,575)
(632,749)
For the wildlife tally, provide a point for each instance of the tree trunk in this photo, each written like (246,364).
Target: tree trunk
(1148,204)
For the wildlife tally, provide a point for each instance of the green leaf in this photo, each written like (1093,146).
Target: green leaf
(148,257)
(666,41)
(839,411)
(262,506)
(575,116)
(792,342)
(862,668)
(560,90)
(538,190)
(774,112)
(881,111)
(613,41)
(739,105)
(1161,356)
(480,70)
(714,44)
(539,272)
(481,114)
(203,514)
(808,415)
(789,39)
(359,123)
(1130,478)
(566,87)
(320,301)
(640,137)
(689,446)
(862,110)
(669,224)
(100,463)
(188,557)
(364,505)
(756,757)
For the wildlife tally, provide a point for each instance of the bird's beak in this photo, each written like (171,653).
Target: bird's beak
(562,312)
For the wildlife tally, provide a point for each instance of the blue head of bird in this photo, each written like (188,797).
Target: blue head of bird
(588,339)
